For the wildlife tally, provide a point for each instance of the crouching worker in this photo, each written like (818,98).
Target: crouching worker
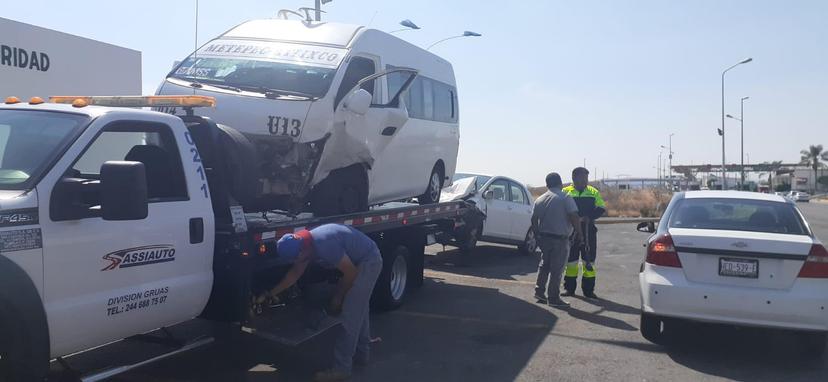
(359,260)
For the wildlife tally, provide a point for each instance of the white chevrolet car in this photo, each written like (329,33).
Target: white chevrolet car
(739,258)
(507,205)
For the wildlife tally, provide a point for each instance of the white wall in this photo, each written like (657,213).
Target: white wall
(72,65)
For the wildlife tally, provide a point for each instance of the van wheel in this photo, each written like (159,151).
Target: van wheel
(392,285)
(530,244)
(20,358)
(435,187)
(344,191)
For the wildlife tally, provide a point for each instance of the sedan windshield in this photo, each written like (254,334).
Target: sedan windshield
(29,140)
(479,182)
(737,215)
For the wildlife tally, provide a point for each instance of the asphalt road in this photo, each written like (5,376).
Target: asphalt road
(475,320)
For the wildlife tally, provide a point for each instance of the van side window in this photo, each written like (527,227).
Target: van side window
(358,68)
(414,99)
(443,102)
(426,98)
(151,144)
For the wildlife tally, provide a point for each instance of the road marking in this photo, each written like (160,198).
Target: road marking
(475,281)
(510,324)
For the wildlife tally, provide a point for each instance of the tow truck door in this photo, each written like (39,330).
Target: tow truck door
(105,280)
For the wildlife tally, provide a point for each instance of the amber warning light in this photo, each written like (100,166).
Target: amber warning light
(137,101)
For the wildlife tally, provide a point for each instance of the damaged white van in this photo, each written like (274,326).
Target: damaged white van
(340,117)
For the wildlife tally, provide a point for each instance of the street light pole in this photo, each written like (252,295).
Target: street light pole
(670,144)
(465,34)
(742,122)
(724,163)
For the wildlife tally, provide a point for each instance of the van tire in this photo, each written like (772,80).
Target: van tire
(434,188)
(238,155)
(393,282)
(344,191)
(21,359)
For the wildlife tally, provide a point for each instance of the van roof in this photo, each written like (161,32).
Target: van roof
(319,33)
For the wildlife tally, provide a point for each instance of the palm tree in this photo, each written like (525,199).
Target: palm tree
(773,167)
(812,157)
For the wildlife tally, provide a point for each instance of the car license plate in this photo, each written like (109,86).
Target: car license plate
(738,267)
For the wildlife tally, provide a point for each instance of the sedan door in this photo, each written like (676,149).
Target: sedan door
(520,210)
(497,207)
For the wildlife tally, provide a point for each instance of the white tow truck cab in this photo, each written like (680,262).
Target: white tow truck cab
(116,221)
(285,85)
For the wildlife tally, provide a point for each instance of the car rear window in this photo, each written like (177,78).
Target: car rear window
(737,215)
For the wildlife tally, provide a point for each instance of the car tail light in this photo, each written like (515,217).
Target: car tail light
(816,265)
(661,251)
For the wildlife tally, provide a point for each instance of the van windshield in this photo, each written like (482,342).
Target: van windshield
(257,76)
(29,140)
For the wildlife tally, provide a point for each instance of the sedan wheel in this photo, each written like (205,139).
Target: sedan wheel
(530,244)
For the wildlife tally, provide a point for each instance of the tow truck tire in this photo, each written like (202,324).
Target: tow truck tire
(469,241)
(530,244)
(435,186)
(21,357)
(344,191)
(392,284)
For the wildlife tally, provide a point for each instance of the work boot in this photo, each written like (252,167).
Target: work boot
(541,298)
(591,294)
(331,376)
(558,303)
(567,293)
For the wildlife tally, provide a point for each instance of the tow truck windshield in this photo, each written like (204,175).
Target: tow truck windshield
(266,77)
(30,141)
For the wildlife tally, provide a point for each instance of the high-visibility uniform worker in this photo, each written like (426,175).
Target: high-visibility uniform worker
(590,207)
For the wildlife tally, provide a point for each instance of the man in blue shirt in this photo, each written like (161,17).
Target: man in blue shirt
(359,260)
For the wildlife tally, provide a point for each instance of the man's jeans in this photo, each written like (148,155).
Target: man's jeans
(555,252)
(355,338)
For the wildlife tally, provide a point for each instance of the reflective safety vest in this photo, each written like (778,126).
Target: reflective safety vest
(589,201)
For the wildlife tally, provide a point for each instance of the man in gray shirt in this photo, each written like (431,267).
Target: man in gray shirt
(554,216)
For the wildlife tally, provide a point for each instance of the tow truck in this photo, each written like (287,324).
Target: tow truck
(116,221)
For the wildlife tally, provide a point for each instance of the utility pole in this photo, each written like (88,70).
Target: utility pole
(670,144)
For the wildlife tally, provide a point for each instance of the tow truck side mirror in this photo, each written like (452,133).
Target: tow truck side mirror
(123,191)
(648,227)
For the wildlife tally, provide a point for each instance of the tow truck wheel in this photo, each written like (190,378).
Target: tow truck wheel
(392,284)
(435,186)
(19,359)
(530,243)
(470,240)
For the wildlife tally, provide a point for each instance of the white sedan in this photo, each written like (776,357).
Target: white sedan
(739,258)
(507,205)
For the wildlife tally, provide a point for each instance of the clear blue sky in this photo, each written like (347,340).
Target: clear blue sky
(553,82)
